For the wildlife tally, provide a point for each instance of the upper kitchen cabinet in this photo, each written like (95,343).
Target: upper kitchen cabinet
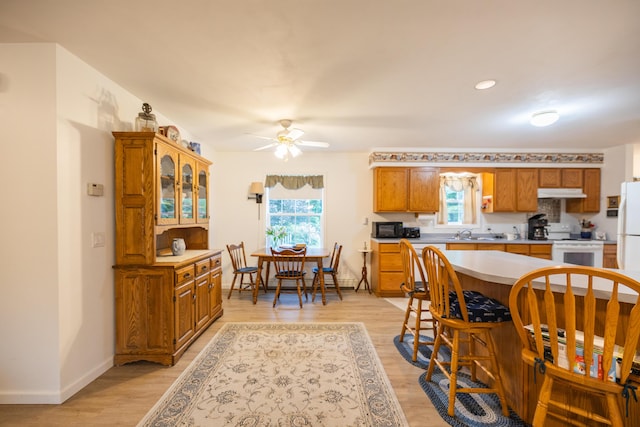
(510,190)
(560,178)
(161,193)
(400,189)
(590,179)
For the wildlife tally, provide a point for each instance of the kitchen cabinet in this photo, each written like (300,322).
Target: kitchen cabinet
(560,178)
(163,302)
(590,179)
(609,254)
(534,250)
(510,190)
(386,269)
(402,189)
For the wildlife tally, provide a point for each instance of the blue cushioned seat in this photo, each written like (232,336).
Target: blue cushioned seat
(479,307)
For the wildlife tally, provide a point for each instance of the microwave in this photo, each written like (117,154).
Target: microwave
(391,229)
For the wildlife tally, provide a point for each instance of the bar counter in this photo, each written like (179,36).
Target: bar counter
(493,273)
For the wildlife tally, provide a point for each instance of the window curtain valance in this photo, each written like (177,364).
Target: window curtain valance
(468,185)
(294,182)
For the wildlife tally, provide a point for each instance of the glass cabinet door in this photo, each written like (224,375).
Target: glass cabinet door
(187,215)
(202,196)
(167,186)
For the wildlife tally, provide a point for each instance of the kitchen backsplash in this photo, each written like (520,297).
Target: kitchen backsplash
(551,207)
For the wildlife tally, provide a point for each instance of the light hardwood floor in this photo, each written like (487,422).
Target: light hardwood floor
(124,394)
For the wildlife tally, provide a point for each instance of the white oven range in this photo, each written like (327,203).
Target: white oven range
(581,252)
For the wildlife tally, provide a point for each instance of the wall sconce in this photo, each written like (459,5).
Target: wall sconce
(257,190)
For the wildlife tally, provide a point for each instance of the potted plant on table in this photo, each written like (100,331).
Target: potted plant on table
(276,234)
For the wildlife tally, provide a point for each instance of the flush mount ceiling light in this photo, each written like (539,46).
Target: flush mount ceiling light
(544,118)
(485,84)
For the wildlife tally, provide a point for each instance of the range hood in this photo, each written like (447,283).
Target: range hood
(561,193)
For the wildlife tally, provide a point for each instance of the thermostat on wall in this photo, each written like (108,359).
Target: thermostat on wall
(95,189)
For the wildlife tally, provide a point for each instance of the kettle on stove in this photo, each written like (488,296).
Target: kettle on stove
(538,227)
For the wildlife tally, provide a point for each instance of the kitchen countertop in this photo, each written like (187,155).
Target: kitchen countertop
(506,268)
(479,238)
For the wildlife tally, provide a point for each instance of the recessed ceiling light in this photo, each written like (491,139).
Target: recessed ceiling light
(485,84)
(544,118)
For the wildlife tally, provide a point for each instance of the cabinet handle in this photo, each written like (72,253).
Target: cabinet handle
(185,275)
(204,268)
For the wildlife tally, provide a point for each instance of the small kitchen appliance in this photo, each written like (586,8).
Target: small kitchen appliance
(411,232)
(387,230)
(538,227)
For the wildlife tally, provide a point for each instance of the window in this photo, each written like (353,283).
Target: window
(300,211)
(458,199)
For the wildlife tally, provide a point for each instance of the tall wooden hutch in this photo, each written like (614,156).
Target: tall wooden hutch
(163,302)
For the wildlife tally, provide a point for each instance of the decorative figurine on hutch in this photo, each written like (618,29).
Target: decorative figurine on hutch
(146,122)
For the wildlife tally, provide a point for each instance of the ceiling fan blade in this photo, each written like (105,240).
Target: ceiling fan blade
(294,133)
(313,144)
(264,147)
(262,137)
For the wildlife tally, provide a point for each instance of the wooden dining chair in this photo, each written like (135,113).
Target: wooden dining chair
(289,265)
(574,336)
(331,270)
(240,268)
(464,319)
(416,288)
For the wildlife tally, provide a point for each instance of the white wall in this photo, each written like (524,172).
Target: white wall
(348,200)
(57,304)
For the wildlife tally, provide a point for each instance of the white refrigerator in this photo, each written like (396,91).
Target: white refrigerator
(629,226)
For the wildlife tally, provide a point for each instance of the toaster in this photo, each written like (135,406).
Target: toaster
(411,232)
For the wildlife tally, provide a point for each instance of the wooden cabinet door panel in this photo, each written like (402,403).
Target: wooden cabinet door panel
(527,190)
(184,327)
(389,283)
(592,190)
(504,186)
(550,178)
(423,189)
(202,301)
(390,193)
(390,262)
(572,178)
(143,311)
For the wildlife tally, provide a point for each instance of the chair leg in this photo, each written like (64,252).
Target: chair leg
(336,285)
(407,314)
(453,379)
(416,338)
(436,349)
(304,289)
(540,414)
(314,286)
(233,283)
(277,295)
(495,370)
(299,291)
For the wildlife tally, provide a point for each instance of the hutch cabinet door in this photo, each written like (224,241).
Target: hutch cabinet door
(167,186)
(202,196)
(187,193)
(184,314)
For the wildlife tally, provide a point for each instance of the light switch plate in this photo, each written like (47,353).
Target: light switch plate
(97,240)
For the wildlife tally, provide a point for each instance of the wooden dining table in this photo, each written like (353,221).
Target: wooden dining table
(313,255)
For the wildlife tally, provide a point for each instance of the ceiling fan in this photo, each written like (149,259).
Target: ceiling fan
(287,142)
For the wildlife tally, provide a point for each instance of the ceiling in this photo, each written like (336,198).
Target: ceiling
(363,74)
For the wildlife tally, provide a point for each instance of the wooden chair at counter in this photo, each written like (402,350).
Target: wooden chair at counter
(462,317)
(240,268)
(557,334)
(331,270)
(418,293)
(289,265)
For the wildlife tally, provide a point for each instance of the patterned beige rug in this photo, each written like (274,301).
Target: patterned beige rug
(282,374)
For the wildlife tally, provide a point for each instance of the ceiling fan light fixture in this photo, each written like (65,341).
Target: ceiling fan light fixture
(295,151)
(544,118)
(281,151)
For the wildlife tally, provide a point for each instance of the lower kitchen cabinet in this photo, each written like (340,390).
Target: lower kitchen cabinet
(534,250)
(609,255)
(386,269)
(163,307)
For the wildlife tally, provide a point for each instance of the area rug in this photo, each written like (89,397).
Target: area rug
(471,410)
(282,374)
